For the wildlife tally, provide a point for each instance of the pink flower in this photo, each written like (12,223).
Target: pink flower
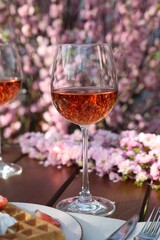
(6,118)
(129,143)
(23,10)
(126,167)
(55,10)
(141,176)
(114,177)
(150,140)
(33,153)
(155,171)
(59,149)
(143,158)
(26,30)
(155,154)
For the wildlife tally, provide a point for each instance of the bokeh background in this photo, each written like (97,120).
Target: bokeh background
(131,27)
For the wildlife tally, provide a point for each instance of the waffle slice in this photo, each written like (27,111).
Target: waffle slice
(29,227)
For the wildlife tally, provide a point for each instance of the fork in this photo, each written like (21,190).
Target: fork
(151,229)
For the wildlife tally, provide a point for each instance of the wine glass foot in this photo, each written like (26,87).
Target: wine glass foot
(9,170)
(98,206)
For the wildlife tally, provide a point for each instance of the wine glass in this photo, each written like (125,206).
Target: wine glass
(10,84)
(84,90)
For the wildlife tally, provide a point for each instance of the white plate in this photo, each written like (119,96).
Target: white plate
(99,228)
(70,225)
(93,227)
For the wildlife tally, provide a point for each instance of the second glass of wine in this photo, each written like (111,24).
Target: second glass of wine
(84,91)
(10,84)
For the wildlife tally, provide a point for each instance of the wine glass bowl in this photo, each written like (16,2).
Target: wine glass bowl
(10,84)
(9,88)
(84,106)
(84,91)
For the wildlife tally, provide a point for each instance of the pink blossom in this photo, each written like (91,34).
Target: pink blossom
(41,50)
(150,140)
(116,156)
(23,10)
(63,149)
(26,30)
(5,119)
(126,166)
(155,153)
(64,152)
(143,158)
(129,143)
(130,153)
(114,177)
(33,153)
(43,23)
(55,10)
(155,171)
(141,176)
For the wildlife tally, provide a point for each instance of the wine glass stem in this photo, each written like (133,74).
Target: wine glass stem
(85,195)
(1,160)
(0,146)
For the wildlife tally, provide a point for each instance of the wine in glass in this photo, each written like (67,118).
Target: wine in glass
(84,90)
(10,84)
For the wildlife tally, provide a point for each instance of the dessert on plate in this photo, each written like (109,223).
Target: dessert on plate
(25,226)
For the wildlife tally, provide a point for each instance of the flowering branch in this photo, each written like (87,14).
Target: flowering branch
(130,26)
(128,155)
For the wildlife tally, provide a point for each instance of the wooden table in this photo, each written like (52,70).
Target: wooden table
(48,185)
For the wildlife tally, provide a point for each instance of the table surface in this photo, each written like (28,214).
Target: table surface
(48,185)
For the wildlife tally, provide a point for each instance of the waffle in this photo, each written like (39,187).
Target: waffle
(29,227)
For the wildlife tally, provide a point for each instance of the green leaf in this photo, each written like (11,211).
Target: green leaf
(158,5)
(131,158)
(138,184)
(156,187)
(156,55)
(124,177)
(144,166)
(5,35)
(136,149)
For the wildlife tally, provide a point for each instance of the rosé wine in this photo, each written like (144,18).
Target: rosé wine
(84,106)
(9,89)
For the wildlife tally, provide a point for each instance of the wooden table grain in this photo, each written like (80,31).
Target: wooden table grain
(48,185)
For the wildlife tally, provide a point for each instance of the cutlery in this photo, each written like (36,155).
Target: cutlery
(151,229)
(125,230)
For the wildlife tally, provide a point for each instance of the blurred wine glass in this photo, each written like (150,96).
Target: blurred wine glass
(10,84)
(84,91)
